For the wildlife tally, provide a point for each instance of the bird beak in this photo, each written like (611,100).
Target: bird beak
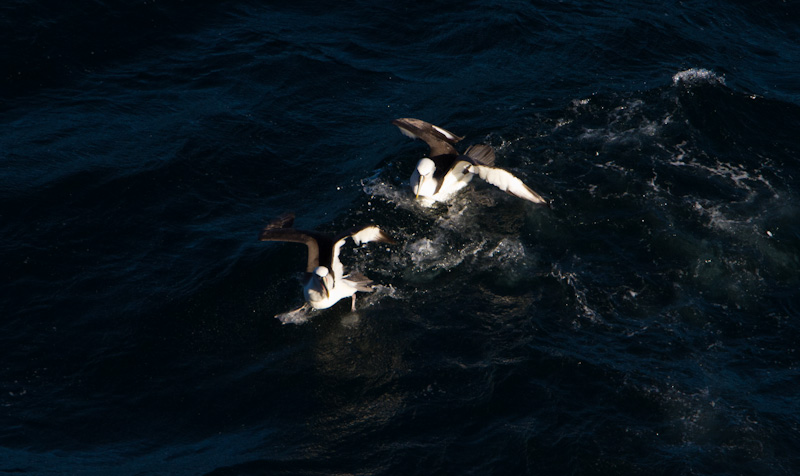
(325,288)
(419,186)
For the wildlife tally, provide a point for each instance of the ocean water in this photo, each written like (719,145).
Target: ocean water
(646,323)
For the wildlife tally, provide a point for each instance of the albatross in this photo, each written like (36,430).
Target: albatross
(445,172)
(325,281)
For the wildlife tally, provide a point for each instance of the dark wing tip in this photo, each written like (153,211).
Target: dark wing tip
(385,238)
(282,222)
(381,236)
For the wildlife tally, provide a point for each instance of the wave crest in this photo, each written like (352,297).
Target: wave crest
(695,76)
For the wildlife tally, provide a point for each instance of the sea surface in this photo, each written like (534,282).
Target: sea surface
(647,323)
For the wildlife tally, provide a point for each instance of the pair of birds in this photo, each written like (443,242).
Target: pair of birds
(435,179)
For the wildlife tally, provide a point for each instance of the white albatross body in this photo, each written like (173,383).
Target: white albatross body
(426,186)
(323,291)
(326,284)
(438,177)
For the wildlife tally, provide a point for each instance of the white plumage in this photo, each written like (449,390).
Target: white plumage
(506,182)
(322,290)
(326,284)
(445,172)
(427,187)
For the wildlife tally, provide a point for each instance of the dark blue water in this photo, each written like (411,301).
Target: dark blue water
(646,324)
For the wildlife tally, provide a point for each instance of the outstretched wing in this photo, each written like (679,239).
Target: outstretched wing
(360,282)
(370,233)
(507,182)
(279,230)
(439,140)
(360,235)
(481,154)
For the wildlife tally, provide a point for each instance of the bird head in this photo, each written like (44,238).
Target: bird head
(324,276)
(425,169)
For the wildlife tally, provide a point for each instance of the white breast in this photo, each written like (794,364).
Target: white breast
(427,188)
(341,289)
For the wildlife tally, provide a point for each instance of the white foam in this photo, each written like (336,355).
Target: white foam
(399,196)
(436,254)
(579,291)
(697,76)
(717,218)
(298,316)
(509,256)
(628,124)
(736,173)
(380,292)
(442,244)
(508,248)
(456,217)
